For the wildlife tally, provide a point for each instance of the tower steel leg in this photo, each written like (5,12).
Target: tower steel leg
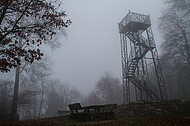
(157,65)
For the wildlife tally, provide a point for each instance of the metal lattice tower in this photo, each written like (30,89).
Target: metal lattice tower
(137,43)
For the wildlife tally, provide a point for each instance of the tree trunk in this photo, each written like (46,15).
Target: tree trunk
(16,87)
(41,102)
(15,96)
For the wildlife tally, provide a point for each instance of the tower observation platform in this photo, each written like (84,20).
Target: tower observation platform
(137,42)
(134,22)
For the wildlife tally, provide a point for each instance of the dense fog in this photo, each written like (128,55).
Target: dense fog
(81,60)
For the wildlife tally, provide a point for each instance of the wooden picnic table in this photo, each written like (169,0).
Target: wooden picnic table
(95,108)
(92,111)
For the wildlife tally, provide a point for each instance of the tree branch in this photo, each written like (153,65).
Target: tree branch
(4,10)
(15,23)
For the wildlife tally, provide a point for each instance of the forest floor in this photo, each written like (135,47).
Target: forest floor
(154,113)
(121,121)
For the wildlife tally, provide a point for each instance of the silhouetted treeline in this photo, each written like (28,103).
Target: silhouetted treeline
(175,59)
(41,96)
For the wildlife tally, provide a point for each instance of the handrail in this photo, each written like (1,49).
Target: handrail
(134,17)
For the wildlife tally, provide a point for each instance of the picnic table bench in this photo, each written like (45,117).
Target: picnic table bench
(76,112)
(92,111)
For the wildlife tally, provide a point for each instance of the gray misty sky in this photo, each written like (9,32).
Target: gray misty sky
(93,44)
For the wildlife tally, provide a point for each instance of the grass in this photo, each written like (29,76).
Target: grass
(122,121)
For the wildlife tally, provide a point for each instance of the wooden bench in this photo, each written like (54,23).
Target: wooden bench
(77,112)
(98,111)
(108,112)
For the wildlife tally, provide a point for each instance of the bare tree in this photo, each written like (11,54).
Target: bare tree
(174,24)
(6,91)
(180,5)
(57,97)
(74,95)
(107,90)
(33,86)
(92,99)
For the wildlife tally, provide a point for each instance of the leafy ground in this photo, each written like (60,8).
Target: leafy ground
(154,113)
(122,121)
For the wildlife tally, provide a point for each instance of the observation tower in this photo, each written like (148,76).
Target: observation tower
(140,61)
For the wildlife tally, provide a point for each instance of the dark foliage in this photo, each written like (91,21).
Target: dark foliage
(31,21)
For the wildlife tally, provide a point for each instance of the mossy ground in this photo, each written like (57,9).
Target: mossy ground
(158,113)
(121,121)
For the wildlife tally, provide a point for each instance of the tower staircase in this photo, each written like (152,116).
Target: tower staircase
(140,52)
